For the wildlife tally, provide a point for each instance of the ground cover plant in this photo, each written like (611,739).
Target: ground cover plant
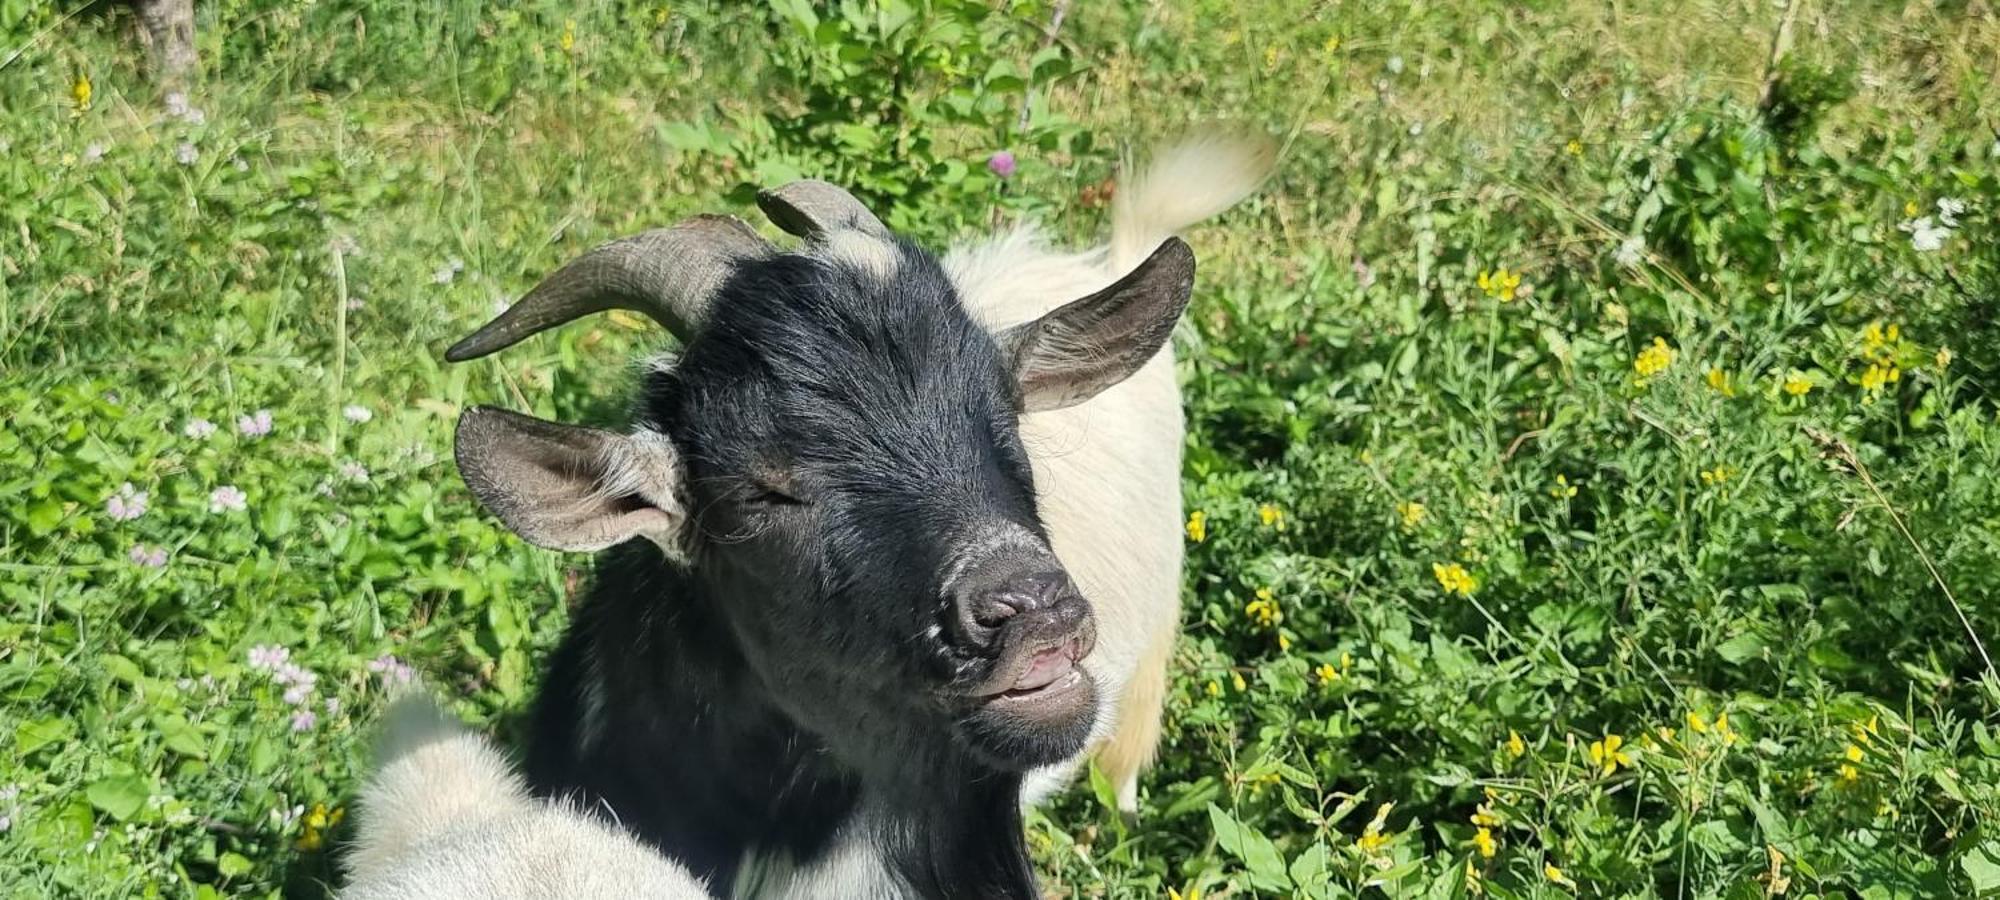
(1592,460)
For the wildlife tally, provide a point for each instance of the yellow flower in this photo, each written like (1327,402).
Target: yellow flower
(1718,381)
(1454,579)
(568,39)
(1284,643)
(1264,610)
(1197,526)
(1717,475)
(1484,817)
(1331,44)
(1501,285)
(1654,359)
(1563,489)
(1556,875)
(1696,723)
(1797,384)
(1326,673)
(1515,746)
(1864,734)
(1270,58)
(1372,839)
(1472,885)
(1854,753)
(1411,511)
(661,14)
(1483,839)
(1606,754)
(1214,688)
(1346,661)
(317,823)
(1943,357)
(80,92)
(1878,376)
(1193,893)
(1848,773)
(1236,678)
(1574,147)
(1271,516)
(1909,208)
(1722,729)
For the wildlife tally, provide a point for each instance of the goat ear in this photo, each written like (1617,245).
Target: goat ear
(567,487)
(1075,352)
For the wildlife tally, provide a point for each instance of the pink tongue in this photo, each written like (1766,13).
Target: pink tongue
(1047,666)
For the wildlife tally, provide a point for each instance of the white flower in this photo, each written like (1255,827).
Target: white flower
(1924,235)
(186,154)
(227,498)
(285,817)
(304,720)
(198,429)
(1395,65)
(357,413)
(128,504)
(298,694)
(256,424)
(93,153)
(1949,209)
(344,244)
(333,706)
(269,656)
(150,557)
(500,305)
(354,471)
(1631,251)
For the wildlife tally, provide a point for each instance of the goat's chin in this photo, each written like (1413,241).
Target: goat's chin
(1039,728)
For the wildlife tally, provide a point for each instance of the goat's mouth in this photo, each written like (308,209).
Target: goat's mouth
(1037,706)
(1039,671)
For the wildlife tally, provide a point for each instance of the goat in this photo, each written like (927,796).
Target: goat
(445,818)
(848,639)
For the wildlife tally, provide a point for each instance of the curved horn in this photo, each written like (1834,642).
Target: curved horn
(812,208)
(670,274)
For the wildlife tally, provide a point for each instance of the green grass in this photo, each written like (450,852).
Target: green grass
(1640,550)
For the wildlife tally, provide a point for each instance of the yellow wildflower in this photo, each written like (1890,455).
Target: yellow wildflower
(1864,734)
(1284,643)
(661,14)
(1236,678)
(1197,526)
(1472,885)
(1722,729)
(1412,513)
(568,39)
(1264,610)
(1717,475)
(1271,516)
(80,92)
(1485,817)
(1331,44)
(1372,839)
(1563,490)
(1797,384)
(1556,875)
(1854,753)
(1654,359)
(1606,754)
(1214,688)
(1326,673)
(1270,58)
(1483,839)
(1501,285)
(1909,209)
(1515,746)
(1454,579)
(1574,147)
(1346,661)
(1193,893)
(1943,357)
(1696,723)
(1848,773)
(1878,376)
(1718,381)
(317,823)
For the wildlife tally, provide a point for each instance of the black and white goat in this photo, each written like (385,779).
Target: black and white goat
(444,817)
(848,637)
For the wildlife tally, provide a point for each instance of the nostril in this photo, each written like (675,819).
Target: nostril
(993,609)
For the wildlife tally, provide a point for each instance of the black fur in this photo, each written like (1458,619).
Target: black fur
(843,434)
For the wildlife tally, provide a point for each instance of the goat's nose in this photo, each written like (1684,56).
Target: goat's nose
(1046,595)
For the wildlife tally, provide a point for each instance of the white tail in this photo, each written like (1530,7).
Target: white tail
(432,775)
(1184,184)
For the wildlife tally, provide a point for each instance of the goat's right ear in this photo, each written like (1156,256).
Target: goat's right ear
(568,487)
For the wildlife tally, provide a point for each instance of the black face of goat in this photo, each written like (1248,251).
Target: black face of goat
(835,460)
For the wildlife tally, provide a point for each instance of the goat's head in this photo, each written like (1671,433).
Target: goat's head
(835,458)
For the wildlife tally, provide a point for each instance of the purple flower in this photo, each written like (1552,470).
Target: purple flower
(198,429)
(392,670)
(128,504)
(294,675)
(227,498)
(150,557)
(256,424)
(354,471)
(1001,163)
(269,656)
(304,720)
(298,694)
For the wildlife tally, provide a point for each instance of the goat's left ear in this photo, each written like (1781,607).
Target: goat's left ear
(1075,352)
(567,487)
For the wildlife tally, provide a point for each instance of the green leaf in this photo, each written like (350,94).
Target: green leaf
(1740,648)
(32,736)
(119,796)
(1258,854)
(232,865)
(1982,865)
(43,517)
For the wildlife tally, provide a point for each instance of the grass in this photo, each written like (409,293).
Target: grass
(1475,580)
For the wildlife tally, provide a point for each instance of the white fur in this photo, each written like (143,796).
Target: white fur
(445,818)
(1108,470)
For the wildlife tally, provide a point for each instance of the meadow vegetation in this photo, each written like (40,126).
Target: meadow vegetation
(1593,453)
